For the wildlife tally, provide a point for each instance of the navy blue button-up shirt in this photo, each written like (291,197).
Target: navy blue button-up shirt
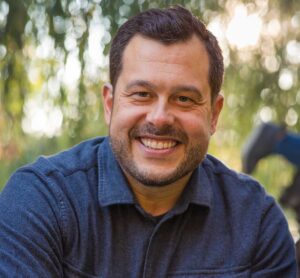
(73,215)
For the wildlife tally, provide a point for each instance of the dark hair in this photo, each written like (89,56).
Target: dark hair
(168,26)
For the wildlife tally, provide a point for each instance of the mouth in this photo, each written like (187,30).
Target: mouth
(158,144)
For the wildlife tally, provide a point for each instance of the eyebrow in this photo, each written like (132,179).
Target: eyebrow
(186,88)
(153,87)
(141,83)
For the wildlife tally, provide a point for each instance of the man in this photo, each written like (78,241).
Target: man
(147,201)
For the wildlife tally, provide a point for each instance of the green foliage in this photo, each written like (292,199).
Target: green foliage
(38,39)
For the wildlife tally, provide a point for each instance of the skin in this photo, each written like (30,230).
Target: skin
(161,117)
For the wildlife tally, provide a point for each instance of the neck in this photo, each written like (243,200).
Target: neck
(158,200)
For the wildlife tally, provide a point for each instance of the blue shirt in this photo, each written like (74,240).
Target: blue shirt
(73,215)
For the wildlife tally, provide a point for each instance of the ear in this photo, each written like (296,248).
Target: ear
(107,95)
(216,109)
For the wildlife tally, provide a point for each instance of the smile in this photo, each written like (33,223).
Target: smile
(158,144)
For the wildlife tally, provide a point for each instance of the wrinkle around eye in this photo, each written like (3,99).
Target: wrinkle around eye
(188,102)
(139,97)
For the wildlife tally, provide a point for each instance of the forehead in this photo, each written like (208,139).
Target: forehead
(141,46)
(148,59)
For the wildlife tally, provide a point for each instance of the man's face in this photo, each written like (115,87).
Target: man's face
(161,116)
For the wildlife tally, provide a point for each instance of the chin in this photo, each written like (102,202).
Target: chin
(153,179)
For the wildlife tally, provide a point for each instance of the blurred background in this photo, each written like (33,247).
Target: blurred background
(53,63)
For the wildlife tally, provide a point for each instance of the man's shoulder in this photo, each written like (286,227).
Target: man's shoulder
(239,196)
(80,157)
(233,182)
(74,169)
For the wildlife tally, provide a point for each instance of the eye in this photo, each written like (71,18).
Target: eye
(184,99)
(142,94)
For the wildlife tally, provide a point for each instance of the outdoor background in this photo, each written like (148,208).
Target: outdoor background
(53,63)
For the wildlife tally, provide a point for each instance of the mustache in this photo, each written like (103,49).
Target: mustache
(167,131)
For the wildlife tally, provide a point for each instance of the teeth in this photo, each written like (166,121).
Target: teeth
(157,144)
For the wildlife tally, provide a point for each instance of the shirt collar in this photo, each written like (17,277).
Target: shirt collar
(199,188)
(113,187)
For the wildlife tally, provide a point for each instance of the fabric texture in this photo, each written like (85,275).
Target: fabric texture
(73,215)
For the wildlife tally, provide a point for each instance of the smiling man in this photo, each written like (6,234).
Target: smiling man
(147,201)
(163,93)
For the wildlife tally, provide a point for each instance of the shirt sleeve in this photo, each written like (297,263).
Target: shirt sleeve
(30,228)
(275,252)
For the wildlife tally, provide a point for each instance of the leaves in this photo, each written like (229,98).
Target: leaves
(45,51)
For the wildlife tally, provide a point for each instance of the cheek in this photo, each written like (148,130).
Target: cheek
(197,125)
(125,117)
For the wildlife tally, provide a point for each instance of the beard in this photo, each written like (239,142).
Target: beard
(194,155)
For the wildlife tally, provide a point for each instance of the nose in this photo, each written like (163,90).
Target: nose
(160,114)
